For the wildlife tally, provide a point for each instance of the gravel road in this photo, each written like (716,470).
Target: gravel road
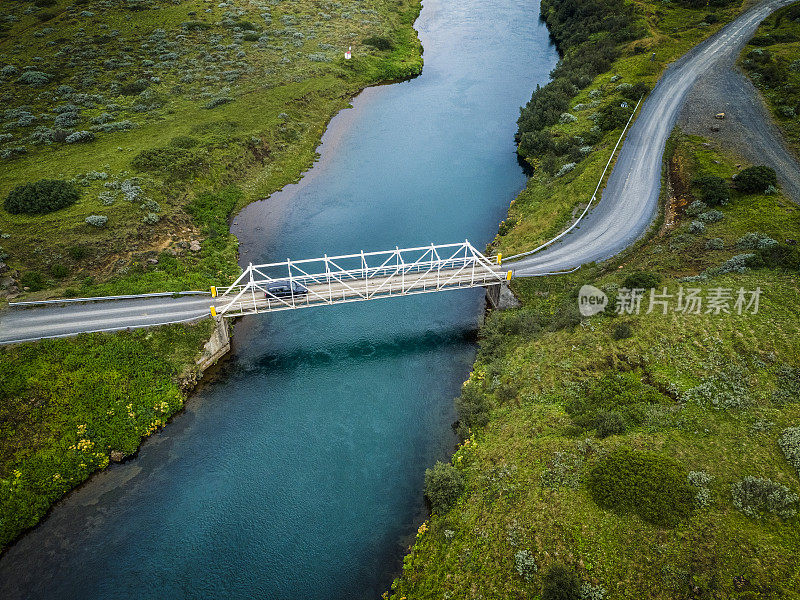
(747,129)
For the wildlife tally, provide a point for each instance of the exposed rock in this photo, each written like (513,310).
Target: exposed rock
(3,267)
(116,456)
(194,246)
(152,261)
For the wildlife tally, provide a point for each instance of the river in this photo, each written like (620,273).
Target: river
(298,473)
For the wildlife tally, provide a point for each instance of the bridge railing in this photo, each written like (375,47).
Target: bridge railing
(355,277)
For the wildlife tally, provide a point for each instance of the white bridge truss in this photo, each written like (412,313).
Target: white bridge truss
(356,277)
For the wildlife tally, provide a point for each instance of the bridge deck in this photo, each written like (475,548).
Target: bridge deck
(332,290)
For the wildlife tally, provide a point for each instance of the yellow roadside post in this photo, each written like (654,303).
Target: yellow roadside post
(508,276)
(213,291)
(499,257)
(213,311)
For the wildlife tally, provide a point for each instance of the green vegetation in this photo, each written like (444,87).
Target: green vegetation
(42,197)
(613,403)
(163,101)
(613,53)
(695,493)
(66,406)
(561,583)
(652,486)
(443,485)
(756,179)
(772,60)
(151,122)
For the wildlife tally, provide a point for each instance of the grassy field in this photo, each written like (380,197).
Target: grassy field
(195,108)
(180,99)
(66,405)
(708,395)
(772,60)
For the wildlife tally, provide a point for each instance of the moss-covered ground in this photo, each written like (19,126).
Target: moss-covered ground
(728,383)
(183,98)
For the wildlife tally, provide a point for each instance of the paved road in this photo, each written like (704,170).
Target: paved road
(61,320)
(626,209)
(382,284)
(630,200)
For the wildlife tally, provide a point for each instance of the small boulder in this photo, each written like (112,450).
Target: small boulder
(194,246)
(116,456)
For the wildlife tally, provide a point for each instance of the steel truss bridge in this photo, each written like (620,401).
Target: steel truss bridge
(356,277)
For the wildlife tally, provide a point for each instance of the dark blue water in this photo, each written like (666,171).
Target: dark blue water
(298,473)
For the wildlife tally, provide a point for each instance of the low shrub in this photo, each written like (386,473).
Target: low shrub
(712,216)
(34,78)
(696,208)
(715,244)
(613,403)
(714,190)
(701,481)
(775,256)
(59,271)
(652,486)
(379,42)
(696,227)
(642,279)
(79,137)
(41,197)
(33,280)
(218,102)
(726,387)
(183,141)
(609,423)
(561,583)
(622,331)
(755,179)
(754,241)
(167,160)
(98,221)
(525,564)
(789,443)
(756,495)
(133,88)
(472,408)
(787,388)
(77,252)
(444,484)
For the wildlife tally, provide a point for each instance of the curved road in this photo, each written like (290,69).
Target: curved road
(630,199)
(628,205)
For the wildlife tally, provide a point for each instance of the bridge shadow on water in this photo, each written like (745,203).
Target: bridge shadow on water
(361,351)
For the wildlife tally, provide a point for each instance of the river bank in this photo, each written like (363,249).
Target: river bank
(307,455)
(531,507)
(188,246)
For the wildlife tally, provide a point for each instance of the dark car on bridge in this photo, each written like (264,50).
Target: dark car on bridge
(283,289)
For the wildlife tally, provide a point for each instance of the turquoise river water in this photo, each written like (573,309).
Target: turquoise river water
(298,473)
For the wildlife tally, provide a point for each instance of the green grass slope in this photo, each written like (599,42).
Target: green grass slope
(147,105)
(650,455)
